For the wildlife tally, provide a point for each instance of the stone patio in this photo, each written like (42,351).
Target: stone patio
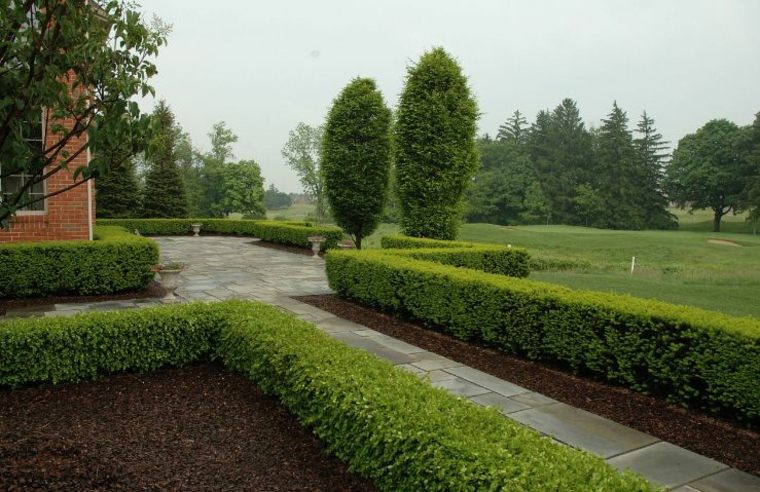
(227,267)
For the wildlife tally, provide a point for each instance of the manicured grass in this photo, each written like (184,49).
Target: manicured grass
(297,211)
(680,267)
(701,221)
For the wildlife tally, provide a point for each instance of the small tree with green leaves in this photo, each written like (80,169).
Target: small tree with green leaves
(435,150)
(356,158)
(302,153)
(164,195)
(244,190)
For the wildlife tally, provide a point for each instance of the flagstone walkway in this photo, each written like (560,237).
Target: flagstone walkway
(228,267)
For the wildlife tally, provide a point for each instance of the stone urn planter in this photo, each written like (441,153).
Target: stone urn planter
(169,274)
(196,229)
(316,244)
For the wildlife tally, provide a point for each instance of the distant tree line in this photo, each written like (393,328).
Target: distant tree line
(555,170)
(173,179)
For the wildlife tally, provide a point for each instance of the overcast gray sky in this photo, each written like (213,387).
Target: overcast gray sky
(263,66)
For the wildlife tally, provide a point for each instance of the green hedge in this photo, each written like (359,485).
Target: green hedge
(491,258)
(115,261)
(695,357)
(387,424)
(281,232)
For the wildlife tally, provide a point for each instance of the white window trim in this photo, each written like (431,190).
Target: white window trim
(44,211)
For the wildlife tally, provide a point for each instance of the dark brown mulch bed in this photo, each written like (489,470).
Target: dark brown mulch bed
(724,441)
(154,290)
(197,428)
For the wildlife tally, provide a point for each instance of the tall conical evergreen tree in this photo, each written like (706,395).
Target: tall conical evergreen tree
(514,130)
(617,169)
(117,194)
(434,146)
(651,157)
(164,194)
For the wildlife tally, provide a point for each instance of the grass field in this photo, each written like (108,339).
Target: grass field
(296,211)
(681,266)
(675,266)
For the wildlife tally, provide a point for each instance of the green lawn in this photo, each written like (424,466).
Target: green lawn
(297,211)
(674,266)
(701,221)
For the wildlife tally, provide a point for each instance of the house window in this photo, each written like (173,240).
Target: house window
(34,135)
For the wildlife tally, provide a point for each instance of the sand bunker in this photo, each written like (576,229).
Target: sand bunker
(724,242)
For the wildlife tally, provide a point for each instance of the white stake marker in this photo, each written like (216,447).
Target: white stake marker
(633,264)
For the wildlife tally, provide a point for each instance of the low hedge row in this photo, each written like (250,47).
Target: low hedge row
(535,263)
(388,425)
(491,258)
(115,261)
(695,357)
(289,233)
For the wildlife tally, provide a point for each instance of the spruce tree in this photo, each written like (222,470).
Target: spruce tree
(619,181)
(514,130)
(117,193)
(164,194)
(356,158)
(435,150)
(651,157)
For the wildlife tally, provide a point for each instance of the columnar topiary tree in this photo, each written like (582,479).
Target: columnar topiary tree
(356,157)
(435,146)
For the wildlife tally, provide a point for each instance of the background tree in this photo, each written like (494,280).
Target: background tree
(651,159)
(190,163)
(708,170)
(244,190)
(109,49)
(302,153)
(356,158)
(164,191)
(212,170)
(535,205)
(752,189)
(589,203)
(498,192)
(616,176)
(435,150)
(118,193)
(275,199)
(514,130)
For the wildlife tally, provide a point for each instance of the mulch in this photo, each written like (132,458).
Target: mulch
(154,290)
(724,441)
(197,428)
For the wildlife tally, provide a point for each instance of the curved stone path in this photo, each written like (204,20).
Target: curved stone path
(230,267)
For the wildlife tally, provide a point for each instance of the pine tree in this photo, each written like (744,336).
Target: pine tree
(619,180)
(514,130)
(118,192)
(164,190)
(651,158)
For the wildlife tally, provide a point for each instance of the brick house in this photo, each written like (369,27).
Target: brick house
(68,215)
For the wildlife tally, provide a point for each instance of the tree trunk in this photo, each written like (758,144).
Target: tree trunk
(716,220)
(358,241)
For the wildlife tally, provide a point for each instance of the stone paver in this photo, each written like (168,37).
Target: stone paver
(668,464)
(233,268)
(583,430)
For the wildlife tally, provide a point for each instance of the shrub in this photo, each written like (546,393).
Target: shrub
(691,356)
(356,158)
(115,261)
(491,258)
(434,144)
(290,233)
(388,425)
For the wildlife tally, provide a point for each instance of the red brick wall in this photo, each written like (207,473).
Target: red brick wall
(66,214)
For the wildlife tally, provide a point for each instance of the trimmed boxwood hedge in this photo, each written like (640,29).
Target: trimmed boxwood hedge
(491,258)
(115,261)
(388,425)
(281,232)
(692,356)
